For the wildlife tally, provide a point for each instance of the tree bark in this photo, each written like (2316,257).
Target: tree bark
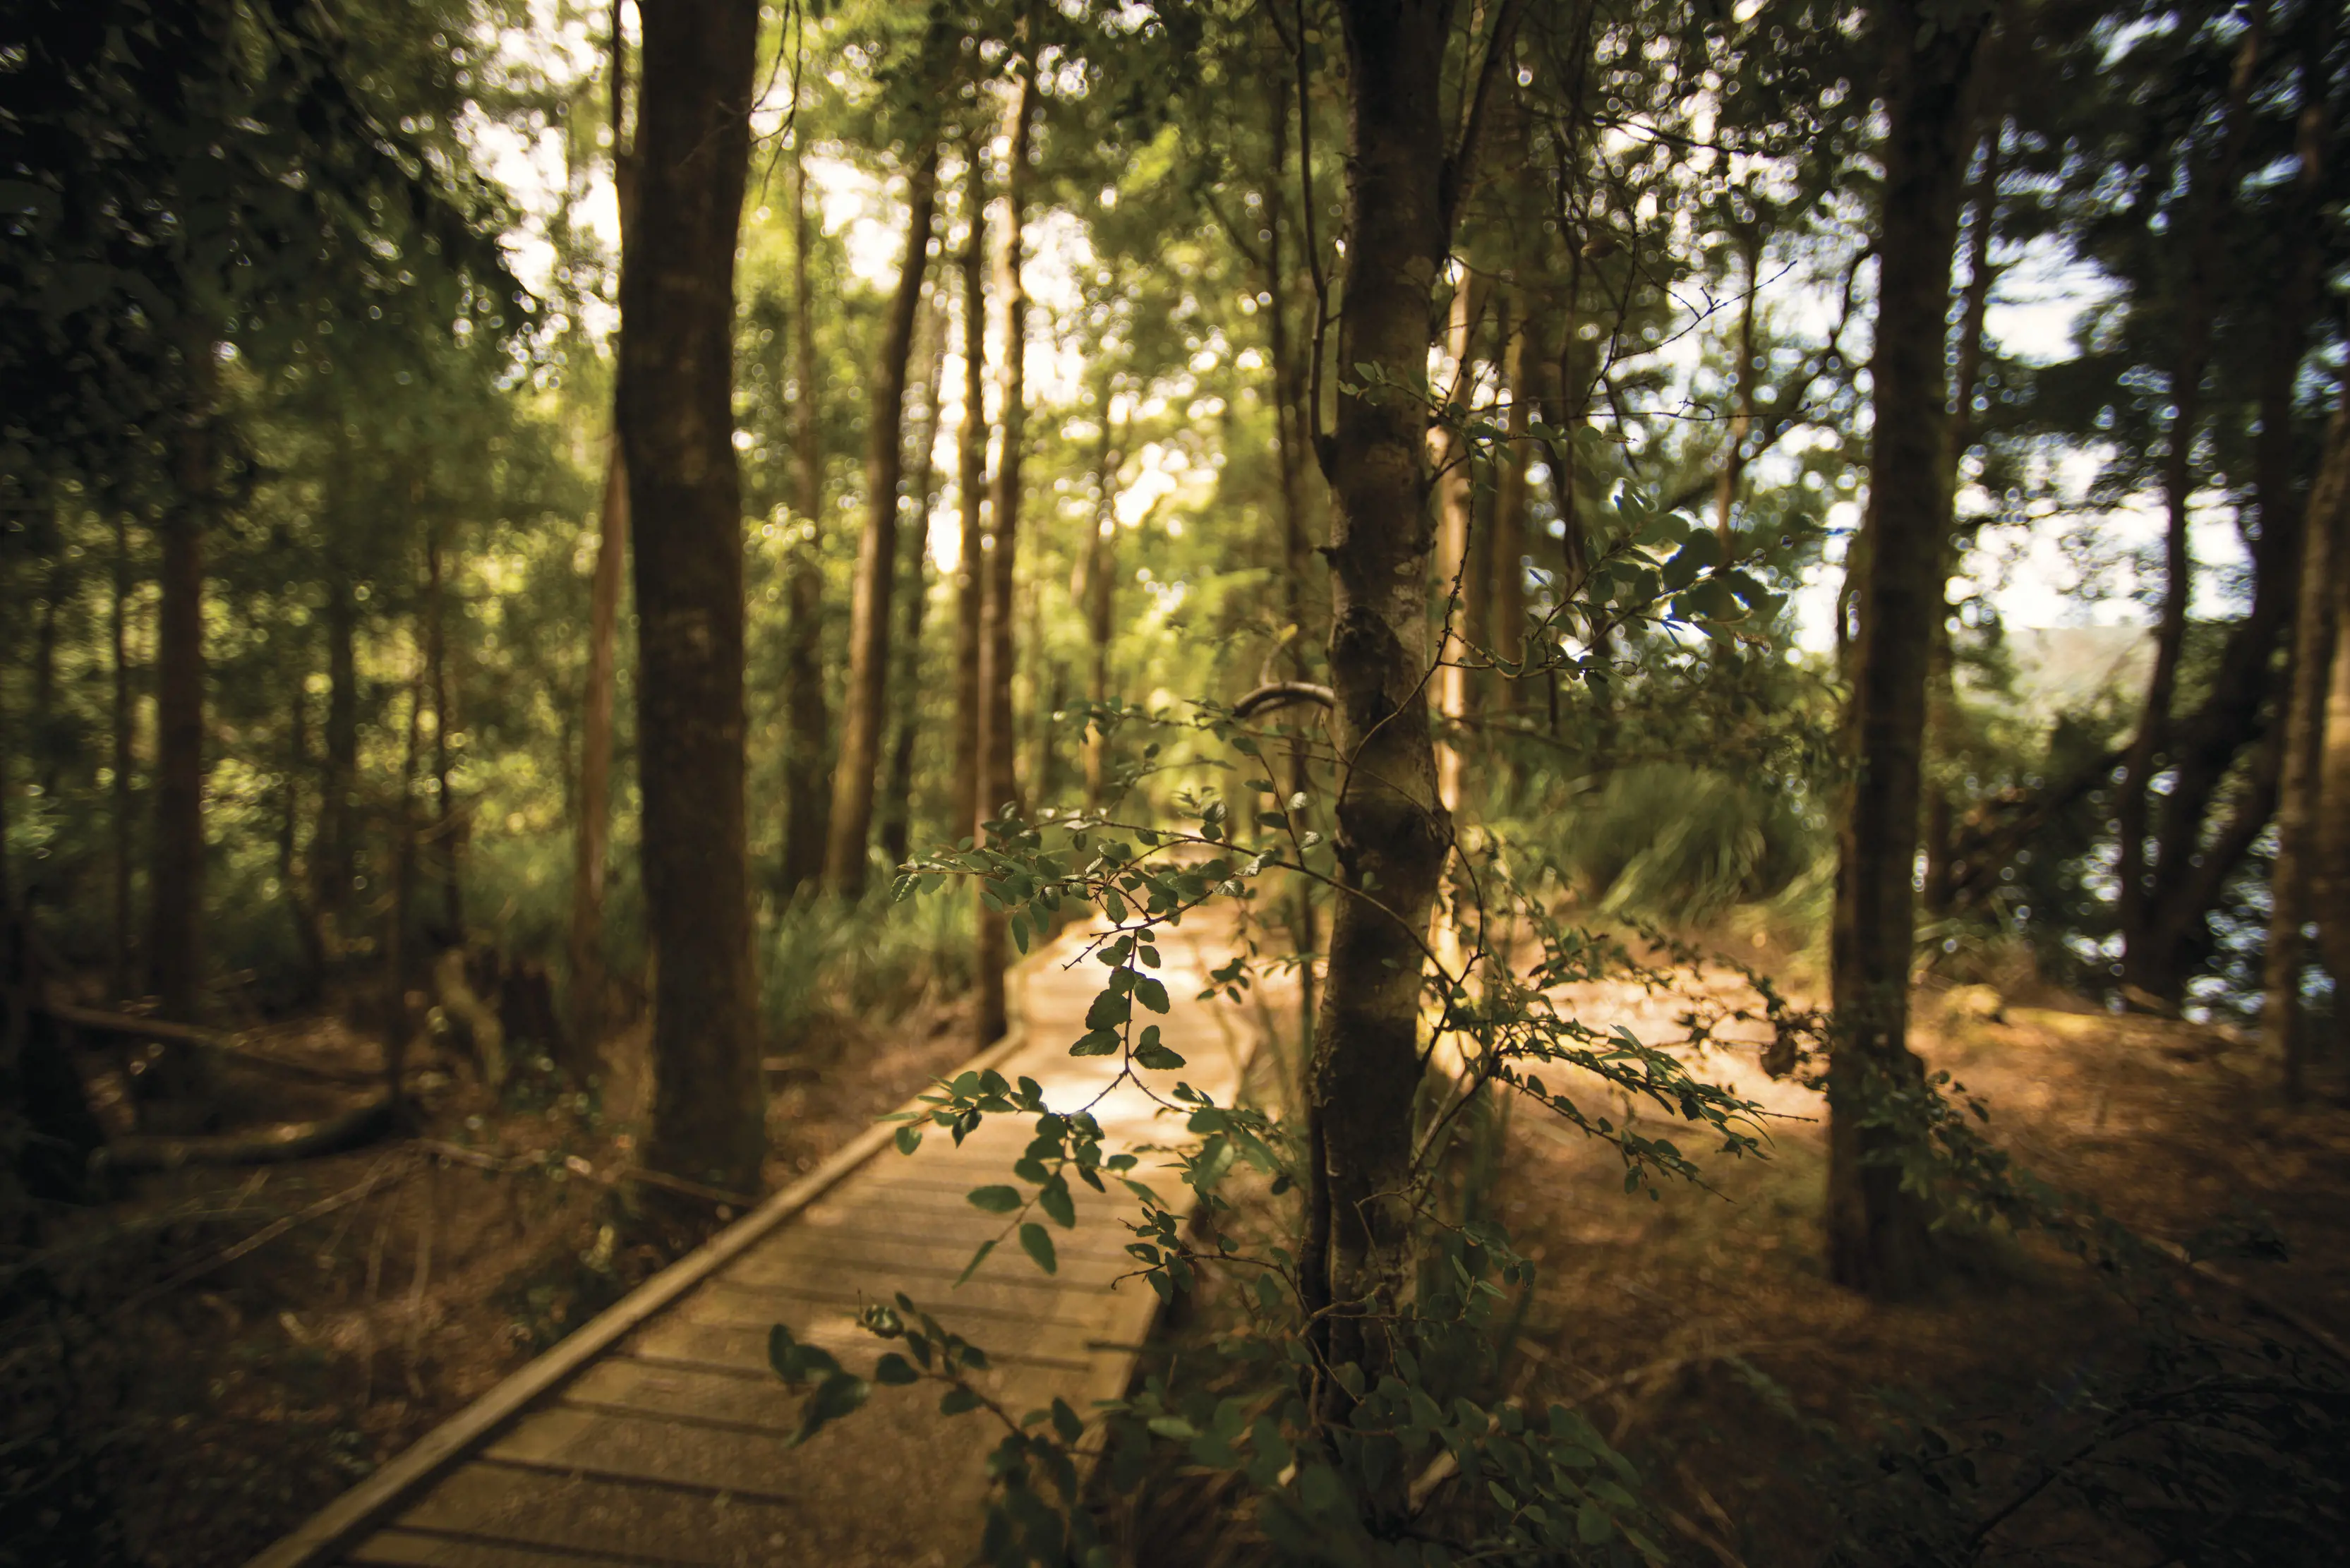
(334,848)
(2329,882)
(868,707)
(996,742)
(1940,825)
(1101,592)
(1507,629)
(448,828)
(897,798)
(592,838)
(1742,414)
(118,951)
(1451,452)
(808,797)
(1877,1230)
(676,403)
(971,481)
(1392,831)
(2212,193)
(2299,799)
(176,885)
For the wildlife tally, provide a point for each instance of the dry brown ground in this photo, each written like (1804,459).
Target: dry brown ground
(229,1399)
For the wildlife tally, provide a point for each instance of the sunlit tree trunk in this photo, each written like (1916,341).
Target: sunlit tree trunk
(867,708)
(898,796)
(591,840)
(1392,830)
(1101,591)
(447,858)
(1508,616)
(807,794)
(971,481)
(592,823)
(118,951)
(1877,1230)
(334,849)
(2146,980)
(2329,888)
(997,786)
(2299,800)
(176,884)
(1456,511)
(1733,473)
(676,400)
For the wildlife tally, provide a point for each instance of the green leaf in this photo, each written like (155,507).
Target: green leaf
(1150,993)
(894,1369)
(1054,1201)
(1066,1421)
(1098,1042)
(1156,1057)
(958,1400)
(976,1258)
(1037,1243)
(994,1199)
(1592,1524)
(910,1137)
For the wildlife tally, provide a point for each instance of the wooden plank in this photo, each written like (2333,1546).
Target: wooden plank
(742,1347)
(352,1513)
(529,1510)
(416,1549)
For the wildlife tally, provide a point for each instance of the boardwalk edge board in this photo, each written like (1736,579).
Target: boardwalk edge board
(341,1521)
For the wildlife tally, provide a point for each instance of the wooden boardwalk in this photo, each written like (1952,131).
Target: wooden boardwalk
(657,1434)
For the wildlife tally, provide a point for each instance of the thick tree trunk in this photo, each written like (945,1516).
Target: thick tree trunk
(592,838)
(1877,1230)
(2146,980)
(176,884)
(867,706)
(676,401)
(1392,830)
(996,743)
(807,794)
(1941,824)
(897,798)
(971,482)
(2329,882)
(2299,800)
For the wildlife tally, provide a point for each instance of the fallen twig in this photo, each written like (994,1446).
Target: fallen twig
(377,1178)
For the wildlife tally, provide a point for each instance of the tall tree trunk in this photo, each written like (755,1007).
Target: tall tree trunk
(1291,425)
(2329,880)
(400,964)
(2145,983)
(448,829)
(1742,414)
(591,841)
(1101,593)
(2300,803)
(868,707)
(299,904)
(971,481)
(677,423)
(808,797)
(1392,829)
(1941,824)
(1877,1230)
(898,798)
(996,743)
(1508,616)
(117,948)
(1456,509)
(2322,544)
(334,849)
(176,884)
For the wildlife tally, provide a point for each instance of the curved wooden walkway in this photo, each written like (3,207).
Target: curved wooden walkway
(657,1434)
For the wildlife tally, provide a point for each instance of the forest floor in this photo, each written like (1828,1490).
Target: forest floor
(219,1397)
(1699,1331)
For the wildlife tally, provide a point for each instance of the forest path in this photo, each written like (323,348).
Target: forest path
(659,1435)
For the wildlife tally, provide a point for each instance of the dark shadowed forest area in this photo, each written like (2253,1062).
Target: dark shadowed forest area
(1149,783)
